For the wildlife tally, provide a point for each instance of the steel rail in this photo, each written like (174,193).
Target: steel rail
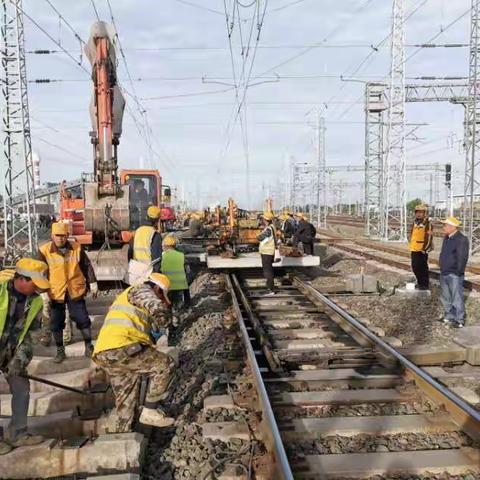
(462,413)
(275,441)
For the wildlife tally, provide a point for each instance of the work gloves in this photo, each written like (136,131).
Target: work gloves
(94,289)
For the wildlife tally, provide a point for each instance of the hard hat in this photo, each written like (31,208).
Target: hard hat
(153,212)
(34,269)
(59,228)
(455,222)
(268,215)
(421,208)
(161,280)
(169,241)
(6,275)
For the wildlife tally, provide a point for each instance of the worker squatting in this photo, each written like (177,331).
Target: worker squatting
(45,288)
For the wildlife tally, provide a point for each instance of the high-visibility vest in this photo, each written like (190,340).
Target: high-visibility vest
(64,272)
(124,325)
(267,245)
(417,239)
(173,266)
(142,244)
(33,306)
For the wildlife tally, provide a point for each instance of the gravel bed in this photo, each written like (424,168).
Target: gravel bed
(204,337)
(360,410)
(336,444)
(414,321)
(427,476)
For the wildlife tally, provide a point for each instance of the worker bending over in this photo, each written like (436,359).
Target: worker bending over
(421,242)
(125,349)
(173,266)
(20,305)
(146,246)
(305,234)
(71,275)
(267,241)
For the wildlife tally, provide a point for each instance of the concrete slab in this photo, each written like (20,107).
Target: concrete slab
(76,349)
(413,294)
(342,397)
(42,403)
(467,394)
(218,401)
(360,283)
(469,338)
(364,465)
(108,453)
(46,365)
(300,333)
(225,431)
(253,260)
(425,355)
(381,425)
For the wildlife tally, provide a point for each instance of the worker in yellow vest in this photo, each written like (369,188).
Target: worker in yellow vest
(71,276)
(173,266)
(421,243)
(146,245)
(125,349)
(20,305)
(268,239)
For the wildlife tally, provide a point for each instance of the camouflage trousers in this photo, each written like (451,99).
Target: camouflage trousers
(125,372)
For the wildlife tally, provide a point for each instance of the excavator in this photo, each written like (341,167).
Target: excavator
(112,203)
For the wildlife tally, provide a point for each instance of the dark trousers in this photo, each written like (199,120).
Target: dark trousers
(78,313)
(420,268)
(179,296)
(308,248)
(20,390)
(267,267)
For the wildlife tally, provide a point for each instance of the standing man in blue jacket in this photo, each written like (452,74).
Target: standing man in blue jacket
(453,260)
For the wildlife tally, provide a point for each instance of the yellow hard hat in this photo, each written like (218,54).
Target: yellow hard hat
(153,212)
(268,215)
(6,275)
(34,269)
(161,280)
(59,228)
(169,241)
(455,222)
(421,208)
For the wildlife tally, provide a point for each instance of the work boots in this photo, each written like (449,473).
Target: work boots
(87,338)
(60,356)
(155,417)
(5,448)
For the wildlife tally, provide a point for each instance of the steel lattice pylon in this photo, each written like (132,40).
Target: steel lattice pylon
(472,137)
(321,175)
(394,212)
(20,235)
(374,113)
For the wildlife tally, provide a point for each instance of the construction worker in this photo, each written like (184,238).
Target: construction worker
(453,261)
(125,349)
(20,305)
(146,245)
(288,225)
(421,243)
(173,266)
(195,226)
(71,276)
(305,234)
(267,241)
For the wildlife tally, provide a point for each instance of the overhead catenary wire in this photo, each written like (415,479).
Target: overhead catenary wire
(95,9)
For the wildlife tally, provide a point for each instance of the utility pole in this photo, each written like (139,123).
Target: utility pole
(395,171)
(472,140)
(20,232)
(321,175)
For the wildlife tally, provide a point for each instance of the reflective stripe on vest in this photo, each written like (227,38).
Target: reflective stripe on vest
(267,245)
(142,244)
(64,272)
(124,325)
(173,266)
(33,306)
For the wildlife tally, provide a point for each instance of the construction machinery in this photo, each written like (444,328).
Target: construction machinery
(111,203)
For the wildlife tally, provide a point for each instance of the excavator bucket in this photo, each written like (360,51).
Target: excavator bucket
(110,265)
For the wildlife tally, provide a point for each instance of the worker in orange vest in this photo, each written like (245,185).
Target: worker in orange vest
(421,243)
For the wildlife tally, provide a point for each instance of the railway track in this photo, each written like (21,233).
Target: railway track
(337,401)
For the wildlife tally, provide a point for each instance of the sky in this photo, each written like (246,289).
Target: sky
(178,58)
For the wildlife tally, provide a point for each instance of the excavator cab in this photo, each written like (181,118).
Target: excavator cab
(144,190)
